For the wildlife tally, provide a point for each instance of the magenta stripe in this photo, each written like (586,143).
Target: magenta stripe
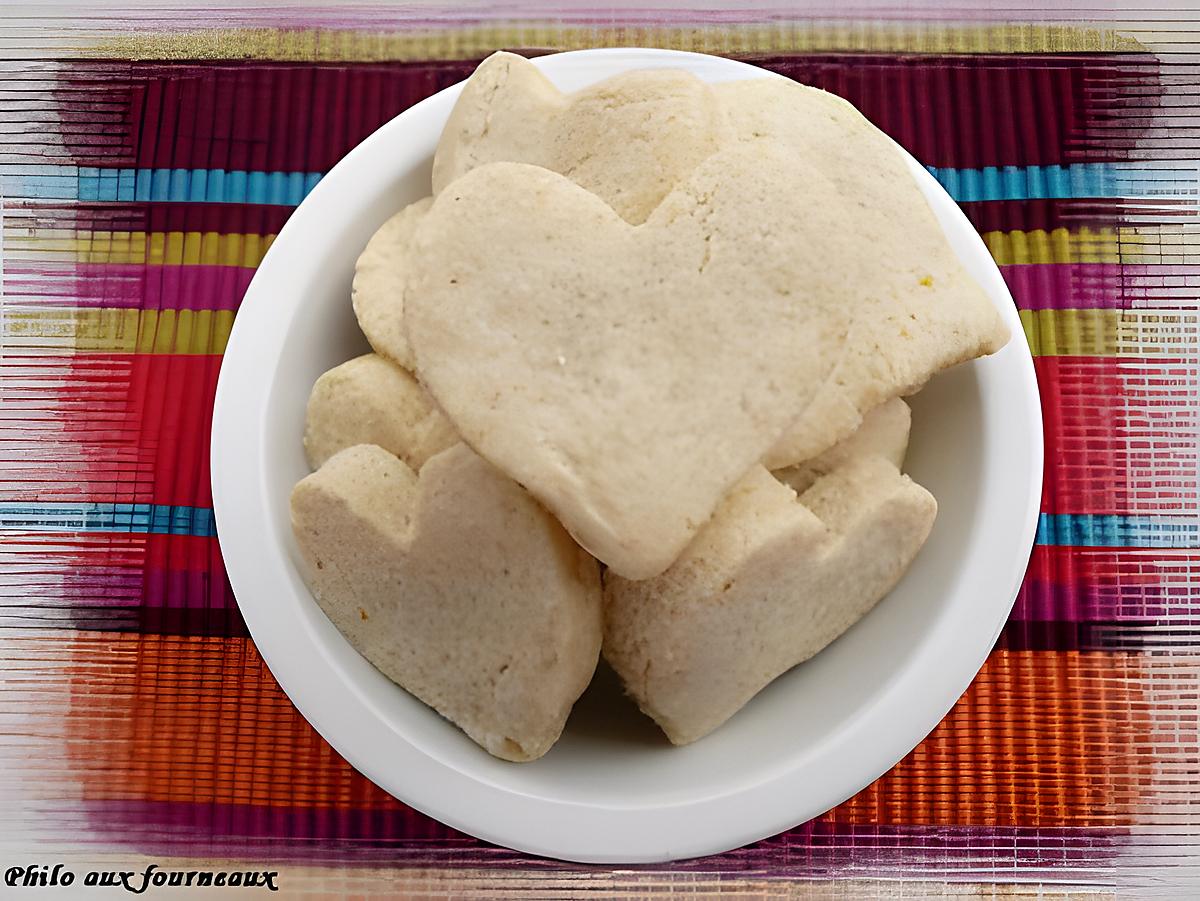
(1042,600)
(184,588)
(253,832)
(156,599)
(1065,286)
(1101,286)
(189,602)
(129,285)
(178,596)
(1038,286)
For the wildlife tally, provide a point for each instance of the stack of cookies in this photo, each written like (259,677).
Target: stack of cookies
(635,391)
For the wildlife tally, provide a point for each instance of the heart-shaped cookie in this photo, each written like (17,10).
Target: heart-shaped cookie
(766,585)
(629,376)
(371,400)
(940,317)
(629,139)
(456,585)
(932,316)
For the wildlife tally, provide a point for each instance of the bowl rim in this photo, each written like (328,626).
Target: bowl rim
(871,742)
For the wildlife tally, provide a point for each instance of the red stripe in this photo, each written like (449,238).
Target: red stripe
(1108,423)
(224,218)
(121,550)
(136,428)
(1030,215)
(127,427)
(1103,566)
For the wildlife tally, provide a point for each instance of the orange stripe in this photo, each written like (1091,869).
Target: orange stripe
(198,720)
(1040,739)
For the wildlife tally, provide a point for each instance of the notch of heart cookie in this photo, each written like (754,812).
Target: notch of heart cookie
(629,139)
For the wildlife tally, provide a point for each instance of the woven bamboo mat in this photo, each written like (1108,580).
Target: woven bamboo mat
(147,159)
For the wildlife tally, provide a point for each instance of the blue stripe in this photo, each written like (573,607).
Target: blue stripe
(1107,530)
(89,183)
(1079,180)
(156,519)
(1080,530)
(92,185)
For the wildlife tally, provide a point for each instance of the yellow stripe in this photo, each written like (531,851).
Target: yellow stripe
(138,248)
(110,330)
(1170,244)
(1058,246)
(472,42)
(1104,245)
(1098,333)
(1167,244)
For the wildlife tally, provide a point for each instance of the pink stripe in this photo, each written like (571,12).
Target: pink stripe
(401,834)
(1065,286)
(1101,286)
(129,286)
(1037,286)
(173,584)
(1075,584)
(1087,602)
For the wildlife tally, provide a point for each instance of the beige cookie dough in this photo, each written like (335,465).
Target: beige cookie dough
(611,369)
(379,278)
(456,585)
(927,313)
(934,319)
(629,139)
(883,433)
(370,400)
(629,304)
(771,581)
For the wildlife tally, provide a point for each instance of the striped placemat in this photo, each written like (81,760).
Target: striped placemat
(146,165)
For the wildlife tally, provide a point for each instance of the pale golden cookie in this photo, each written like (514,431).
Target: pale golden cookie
(629,376)
(771,581)
(926,314)
(370,400)
(629,139)
(456,585)
(379,278)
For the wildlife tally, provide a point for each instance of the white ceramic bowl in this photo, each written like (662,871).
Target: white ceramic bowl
(613,790)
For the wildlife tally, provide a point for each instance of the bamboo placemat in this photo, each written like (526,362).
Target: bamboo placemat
(147,160)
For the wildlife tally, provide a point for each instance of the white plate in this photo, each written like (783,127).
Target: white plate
(613,790)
